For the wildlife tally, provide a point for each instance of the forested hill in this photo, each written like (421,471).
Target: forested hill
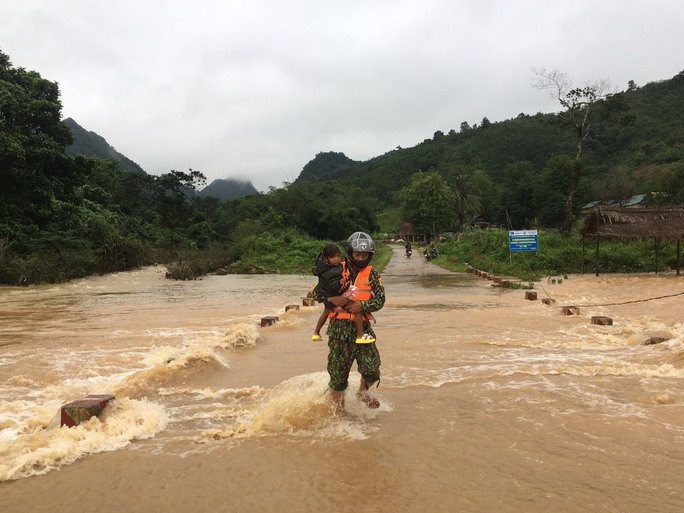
(228,189)
(90,144)
(635,145)
(328,166)
(64,216)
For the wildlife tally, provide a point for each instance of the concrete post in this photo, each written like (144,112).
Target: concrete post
(81,410)
(269,320)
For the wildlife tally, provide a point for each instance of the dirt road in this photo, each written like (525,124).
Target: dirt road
(399,265)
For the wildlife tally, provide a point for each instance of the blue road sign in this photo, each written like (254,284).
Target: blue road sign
(523,240)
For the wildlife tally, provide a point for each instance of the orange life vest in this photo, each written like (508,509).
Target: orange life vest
(362,282)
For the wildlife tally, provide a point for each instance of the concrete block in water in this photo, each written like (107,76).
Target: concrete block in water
(570,310)
(81,410)
(268,321)
(530,295)
(602,320)
(548,301)
(291,307)
(307,301)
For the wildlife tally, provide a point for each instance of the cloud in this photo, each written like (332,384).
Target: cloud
(256,88)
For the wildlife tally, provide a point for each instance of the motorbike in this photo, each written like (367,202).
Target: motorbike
(408,253)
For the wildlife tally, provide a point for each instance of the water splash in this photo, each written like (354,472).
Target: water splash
(36,450)
(302,407)
(240,335)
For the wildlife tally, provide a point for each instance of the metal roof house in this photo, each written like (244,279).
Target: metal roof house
(634,201)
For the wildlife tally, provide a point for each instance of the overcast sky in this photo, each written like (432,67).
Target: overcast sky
(255,88)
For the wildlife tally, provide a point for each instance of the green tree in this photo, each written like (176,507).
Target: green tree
(516,195)
(173,191)
(615,184)
(483,187)
(34,167)
(428,203)
(325,210)
(549,190)
(467,201)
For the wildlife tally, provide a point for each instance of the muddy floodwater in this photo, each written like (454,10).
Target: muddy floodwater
(489,402)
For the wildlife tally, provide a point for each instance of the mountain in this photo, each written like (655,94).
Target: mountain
(228,189)
(634,145)
(90,144)
(328,165)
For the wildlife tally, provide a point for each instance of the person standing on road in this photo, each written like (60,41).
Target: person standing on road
(342,342)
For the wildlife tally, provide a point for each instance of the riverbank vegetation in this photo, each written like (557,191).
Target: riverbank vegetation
(557,255)
(64,216)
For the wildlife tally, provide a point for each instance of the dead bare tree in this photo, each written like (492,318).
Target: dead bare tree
(578,104)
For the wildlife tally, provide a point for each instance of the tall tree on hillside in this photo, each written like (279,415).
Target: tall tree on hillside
(483,187)
(467,202)
(34,167)
(549,188)
(516,195)
(173,190)
(579,103)
(428,203)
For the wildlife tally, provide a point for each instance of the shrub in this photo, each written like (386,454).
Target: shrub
(558,255)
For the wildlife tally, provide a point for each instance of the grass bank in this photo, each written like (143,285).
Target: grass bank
(283,252)
(558,255)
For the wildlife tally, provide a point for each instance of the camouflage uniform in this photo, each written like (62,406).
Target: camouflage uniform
(343,349)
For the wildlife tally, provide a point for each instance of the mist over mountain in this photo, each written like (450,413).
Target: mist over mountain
(91,144)
(229,188)
(634,147)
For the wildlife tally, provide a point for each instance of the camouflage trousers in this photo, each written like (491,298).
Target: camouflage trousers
(341,357)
